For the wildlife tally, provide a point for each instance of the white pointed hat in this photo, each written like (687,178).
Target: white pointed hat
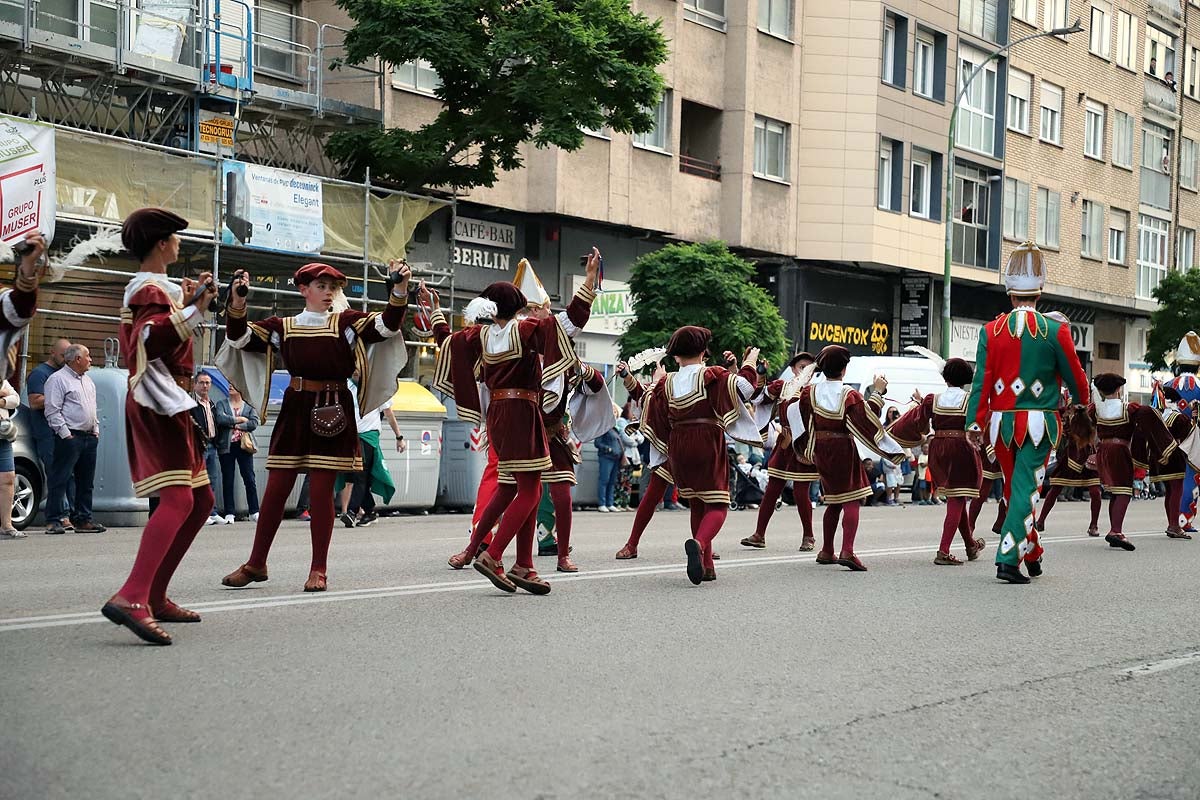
(1189,350)
(527,281)
(1025,272)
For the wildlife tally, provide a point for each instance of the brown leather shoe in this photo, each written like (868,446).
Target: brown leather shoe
(170,612)
(826,557)
(90,527)
(757,540)
(975,549)
(565,564)
(709,575)
(1178,533)
(529,580)
(460,560)
(851,562)
(946,560)
(244,576)
(136,617)
(494,571)
(809,543)
(627,552)
(316,581)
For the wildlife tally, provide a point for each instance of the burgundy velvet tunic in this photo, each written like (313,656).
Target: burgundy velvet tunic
(830,443)
(1123,428)
(786,462)
(954,464)
(640,393)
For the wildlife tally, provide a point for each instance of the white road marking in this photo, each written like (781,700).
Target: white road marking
(1185,660)
(259,601)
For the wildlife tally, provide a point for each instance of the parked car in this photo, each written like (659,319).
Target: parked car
(30,490)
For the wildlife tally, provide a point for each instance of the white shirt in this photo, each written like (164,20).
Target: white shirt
(373,420)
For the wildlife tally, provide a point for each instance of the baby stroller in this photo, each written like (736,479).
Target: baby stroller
(743,490)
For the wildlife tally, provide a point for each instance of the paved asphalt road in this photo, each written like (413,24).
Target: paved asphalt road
(782,679)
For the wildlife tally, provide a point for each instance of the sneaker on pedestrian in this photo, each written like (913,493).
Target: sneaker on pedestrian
(229,519)
(254,517)
(214,520)
(347,520)
(603,509)
(305,516)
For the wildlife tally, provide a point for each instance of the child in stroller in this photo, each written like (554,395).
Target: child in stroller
(744,490)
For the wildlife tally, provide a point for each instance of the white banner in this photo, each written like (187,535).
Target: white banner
(612,310)
(964,338)
(27,186)
(272,209)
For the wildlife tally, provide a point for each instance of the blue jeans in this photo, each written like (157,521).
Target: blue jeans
(44,441)
(210,466)
(73,458)
(608,481)
(236,460)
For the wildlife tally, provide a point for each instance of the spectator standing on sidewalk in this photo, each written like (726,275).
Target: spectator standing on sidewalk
(611,452)
(239,455)
(215,420)
(9,400)
(70,406)
(43,437)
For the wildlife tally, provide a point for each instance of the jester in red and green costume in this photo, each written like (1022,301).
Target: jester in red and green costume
(1023,359)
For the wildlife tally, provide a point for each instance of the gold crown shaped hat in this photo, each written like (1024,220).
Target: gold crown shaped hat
(1025,272)
(529,284)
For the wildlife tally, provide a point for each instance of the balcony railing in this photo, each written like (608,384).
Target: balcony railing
(1168,9)
(698,166)
(1156,189)
(1160,96)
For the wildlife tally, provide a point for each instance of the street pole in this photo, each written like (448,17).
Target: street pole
(949,220)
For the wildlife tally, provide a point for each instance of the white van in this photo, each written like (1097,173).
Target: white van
(905,374)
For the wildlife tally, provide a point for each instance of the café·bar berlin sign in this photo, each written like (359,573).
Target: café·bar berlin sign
(468,231)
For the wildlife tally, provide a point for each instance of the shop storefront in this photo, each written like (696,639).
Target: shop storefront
(823,307)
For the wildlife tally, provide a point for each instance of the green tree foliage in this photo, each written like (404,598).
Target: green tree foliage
(703,284)
(511,72)
(1178,312)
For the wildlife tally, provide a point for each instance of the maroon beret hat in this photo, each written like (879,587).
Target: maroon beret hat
(310,272)
(147,227)
(689,341)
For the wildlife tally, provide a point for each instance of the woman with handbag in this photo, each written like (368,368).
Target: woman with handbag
(240,457)
(320,347)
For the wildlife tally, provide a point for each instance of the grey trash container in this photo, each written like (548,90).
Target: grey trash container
(463,461)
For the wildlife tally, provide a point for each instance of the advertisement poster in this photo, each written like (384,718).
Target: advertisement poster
(27,199)
(272,209)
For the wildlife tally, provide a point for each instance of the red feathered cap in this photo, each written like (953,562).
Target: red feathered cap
(147,227)
(689,341)
(508,298)
(1108,382)
(957,372)
(310,272)
(832,360)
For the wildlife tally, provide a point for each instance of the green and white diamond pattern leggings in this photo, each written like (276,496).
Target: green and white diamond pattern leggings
(1024,469)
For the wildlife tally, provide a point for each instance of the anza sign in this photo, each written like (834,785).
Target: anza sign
(862,331)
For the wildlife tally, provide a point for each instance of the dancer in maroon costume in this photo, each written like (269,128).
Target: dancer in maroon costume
(1118,427)
(786,465)
(321,348)
(1076,467)
(660,475)
(158,320)
(835,415)
(513,358)
(688,416)
(1171,472)
(953,462)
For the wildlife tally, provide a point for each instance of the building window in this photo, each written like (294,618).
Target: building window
(1187,163)
(1093,138)
(1191,86)
(1092,237)
(1152,254)
(710,13)
(1100,31)
(1019,86)
(418,75)
(775,17)
(921,185)
(891,174)
(1055,14)
(1052,97)
(976,124)
(979,17)
(1127,28)
(1047,218)
(1156,166)
(1025,10)
(972,205)
(770,148)
(275,34)
(1185,249)
(924,65)
(1118,226)
(895,47)
(657,138)
(1160,52)
(1122,153)
(1016,209)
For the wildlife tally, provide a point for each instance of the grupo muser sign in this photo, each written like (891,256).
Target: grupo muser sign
(862,331)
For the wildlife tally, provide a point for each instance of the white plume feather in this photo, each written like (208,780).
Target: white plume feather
(480,308)
(340,302)
(793,387)
(927,353)
(102,242)
(647,357)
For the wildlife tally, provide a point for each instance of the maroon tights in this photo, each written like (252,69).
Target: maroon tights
(1171,503)
(1117,507)
(182,511)
(516,508)
(958,520)
(707,519)
(849,515)
(1052,498)
(977,504)
(279,485)
(767,509)
(656,488)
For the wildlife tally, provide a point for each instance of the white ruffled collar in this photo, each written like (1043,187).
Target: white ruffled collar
(828,394)
(952,398)
(686,380)
(498,338)
(1113,408)
(141,279)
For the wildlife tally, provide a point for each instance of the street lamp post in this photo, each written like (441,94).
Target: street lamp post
(1076,28)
